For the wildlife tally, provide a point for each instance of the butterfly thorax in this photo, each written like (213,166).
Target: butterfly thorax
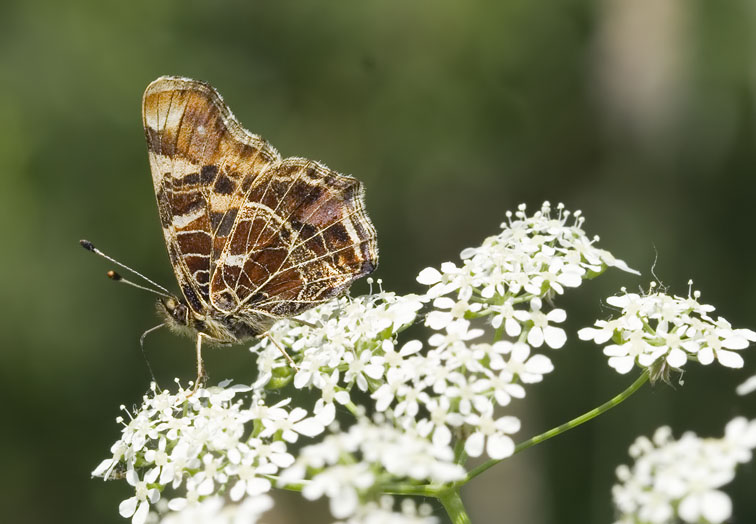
(221,329)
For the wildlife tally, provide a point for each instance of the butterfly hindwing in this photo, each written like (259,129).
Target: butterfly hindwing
(301,237)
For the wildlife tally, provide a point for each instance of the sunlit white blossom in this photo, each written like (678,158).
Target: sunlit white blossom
(659,328)
(214,454)
(213,448)
(343,463)
(681,479)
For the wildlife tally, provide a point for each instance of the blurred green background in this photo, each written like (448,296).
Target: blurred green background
(641,113)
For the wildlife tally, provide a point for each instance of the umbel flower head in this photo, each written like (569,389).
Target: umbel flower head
(434,400)
(678,480)
(664,332)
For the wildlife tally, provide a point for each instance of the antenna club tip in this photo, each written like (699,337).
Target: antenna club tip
(86,244)
(112,275)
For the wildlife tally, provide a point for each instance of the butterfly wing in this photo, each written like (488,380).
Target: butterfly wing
(301,237)
(203,164)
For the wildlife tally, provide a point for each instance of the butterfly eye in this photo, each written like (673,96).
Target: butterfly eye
(180,313)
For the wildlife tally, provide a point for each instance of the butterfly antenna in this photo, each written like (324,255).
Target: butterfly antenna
(116,277)
(89,246)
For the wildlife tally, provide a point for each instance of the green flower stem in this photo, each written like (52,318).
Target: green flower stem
(585,417)
(453,505)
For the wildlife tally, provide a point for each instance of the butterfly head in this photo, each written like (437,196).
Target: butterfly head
(175,312)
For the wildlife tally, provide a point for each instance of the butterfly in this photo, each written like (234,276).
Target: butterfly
(252,237)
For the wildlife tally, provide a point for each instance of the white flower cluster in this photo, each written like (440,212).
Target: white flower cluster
(675,481)
(343,343)
(437,401)
(205,444)
(460,381)
(346,465)
(381,512)
(658,328)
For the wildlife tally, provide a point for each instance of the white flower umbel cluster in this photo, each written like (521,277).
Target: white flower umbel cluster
(666,331)
(433,401)
(676,481)
(348,464)
(190,448)
(342,344)
(505,283)
(382,512)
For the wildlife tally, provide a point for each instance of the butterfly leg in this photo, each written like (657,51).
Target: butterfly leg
(304,323)
(281,349)
(201,375)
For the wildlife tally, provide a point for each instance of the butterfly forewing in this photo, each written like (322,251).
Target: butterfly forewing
(248,233)
(203,163)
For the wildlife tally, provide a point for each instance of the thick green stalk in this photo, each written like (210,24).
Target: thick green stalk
(453,505)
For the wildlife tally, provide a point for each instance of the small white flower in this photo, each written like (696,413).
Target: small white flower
(493,434)
(292,424)
(362,367)
(543,332)
(530,369)
(138,506)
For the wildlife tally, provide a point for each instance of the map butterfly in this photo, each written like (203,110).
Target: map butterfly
(252,237)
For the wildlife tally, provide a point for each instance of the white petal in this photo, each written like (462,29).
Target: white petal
(441,436)
(474,444)
(326,414)
(706,356)
(410,348)
(428,276)
(177,504)
(152,475)
(677,358)
(623,365)
(735,342)
(127,507)
(569,279)
(716,507)
(438,319)
(308,427)
(512,327)
(535,337)
(258,486)
(555,337)
(729,359)
(539,364)
(747,387)
(689,508)
(614,350)
(100,470)
(206,487)
(499,446)
(374,370)
(443,303)
(344,503)
(557,315)
(140,515)
(237,491)
(508,424)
